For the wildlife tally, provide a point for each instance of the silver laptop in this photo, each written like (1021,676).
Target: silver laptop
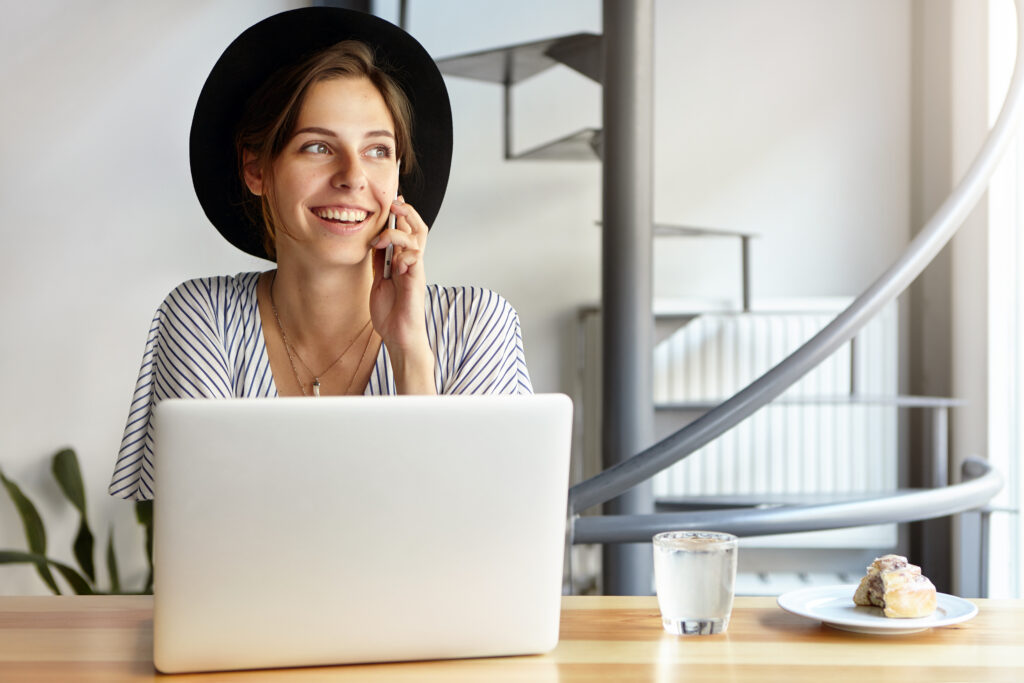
(297,532)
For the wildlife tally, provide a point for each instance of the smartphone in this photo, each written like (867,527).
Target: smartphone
(389,251)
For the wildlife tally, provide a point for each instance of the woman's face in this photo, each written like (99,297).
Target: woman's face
(335,179)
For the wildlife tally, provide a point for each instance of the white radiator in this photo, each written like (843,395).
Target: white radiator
(806,441)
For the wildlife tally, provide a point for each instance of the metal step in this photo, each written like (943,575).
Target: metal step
(515,63)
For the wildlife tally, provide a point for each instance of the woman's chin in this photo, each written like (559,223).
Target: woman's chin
(328,253)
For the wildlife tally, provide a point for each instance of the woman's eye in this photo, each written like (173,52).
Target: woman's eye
(316,148)
(380,152)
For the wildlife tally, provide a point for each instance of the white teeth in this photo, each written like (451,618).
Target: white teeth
(344,215)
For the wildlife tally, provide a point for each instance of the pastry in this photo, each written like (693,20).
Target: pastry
(898,587)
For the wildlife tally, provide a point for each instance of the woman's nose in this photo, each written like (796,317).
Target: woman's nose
(348,172)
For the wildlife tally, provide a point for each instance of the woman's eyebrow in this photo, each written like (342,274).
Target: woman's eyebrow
(316,130)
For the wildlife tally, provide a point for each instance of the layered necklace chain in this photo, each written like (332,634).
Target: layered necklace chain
(293,352)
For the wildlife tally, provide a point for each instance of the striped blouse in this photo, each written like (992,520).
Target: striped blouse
(206,341)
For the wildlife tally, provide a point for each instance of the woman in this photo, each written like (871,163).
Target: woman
(298,140)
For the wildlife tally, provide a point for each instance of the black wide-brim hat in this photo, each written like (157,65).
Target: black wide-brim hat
(281,41)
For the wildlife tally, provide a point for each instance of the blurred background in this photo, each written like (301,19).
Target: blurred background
(828,129)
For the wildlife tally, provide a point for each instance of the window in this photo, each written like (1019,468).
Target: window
(1005,320)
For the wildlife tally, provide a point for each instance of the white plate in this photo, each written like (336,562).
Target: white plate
(833,605)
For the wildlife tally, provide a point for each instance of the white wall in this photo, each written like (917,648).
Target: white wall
(99,221)
(525,229)
(786,118)
(789,119)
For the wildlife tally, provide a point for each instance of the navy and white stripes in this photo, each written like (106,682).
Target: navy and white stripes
(206,341)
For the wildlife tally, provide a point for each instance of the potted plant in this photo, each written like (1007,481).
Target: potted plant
(83,579)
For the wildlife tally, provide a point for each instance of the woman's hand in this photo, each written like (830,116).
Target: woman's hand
(397,303)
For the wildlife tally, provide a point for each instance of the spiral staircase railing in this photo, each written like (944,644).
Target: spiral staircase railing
(939,229)
(979,482)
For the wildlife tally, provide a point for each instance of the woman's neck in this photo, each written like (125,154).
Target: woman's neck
(320,308)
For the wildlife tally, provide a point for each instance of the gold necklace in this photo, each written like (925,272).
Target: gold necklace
(290,350)
(359,364)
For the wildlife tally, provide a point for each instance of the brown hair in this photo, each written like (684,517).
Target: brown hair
(271,113)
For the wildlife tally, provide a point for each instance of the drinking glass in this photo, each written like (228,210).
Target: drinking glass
(695,576)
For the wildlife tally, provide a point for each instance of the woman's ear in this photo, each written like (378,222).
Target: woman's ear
(252,171)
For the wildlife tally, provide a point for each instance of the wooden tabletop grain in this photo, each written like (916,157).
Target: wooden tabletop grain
(110,639)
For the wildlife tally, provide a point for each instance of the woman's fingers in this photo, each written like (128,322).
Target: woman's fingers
(407,253)
(410,231)
(409,239)
(403,262)
(399,238)
(408,220)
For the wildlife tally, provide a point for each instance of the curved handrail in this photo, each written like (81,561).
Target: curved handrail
(939,229)
(981,483)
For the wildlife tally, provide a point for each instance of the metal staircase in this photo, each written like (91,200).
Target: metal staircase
(621,61)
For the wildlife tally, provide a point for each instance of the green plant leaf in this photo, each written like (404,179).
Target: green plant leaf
(35,532)
(69,476)
(78,584)
(144,513)
(115,575)
(74,579)
(84,551)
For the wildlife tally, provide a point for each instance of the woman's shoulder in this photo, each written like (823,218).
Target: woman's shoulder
(465,311)
(466,299)
(219,302)
(241,282)
(217,290)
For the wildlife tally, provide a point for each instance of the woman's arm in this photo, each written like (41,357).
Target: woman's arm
(397,303)
(479,342)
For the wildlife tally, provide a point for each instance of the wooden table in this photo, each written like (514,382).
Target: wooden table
(110,639)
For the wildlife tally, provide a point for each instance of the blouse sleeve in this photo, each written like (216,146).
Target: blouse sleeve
(184,357)
(480,345)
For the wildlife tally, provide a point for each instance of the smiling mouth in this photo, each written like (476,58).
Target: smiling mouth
(342,216)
